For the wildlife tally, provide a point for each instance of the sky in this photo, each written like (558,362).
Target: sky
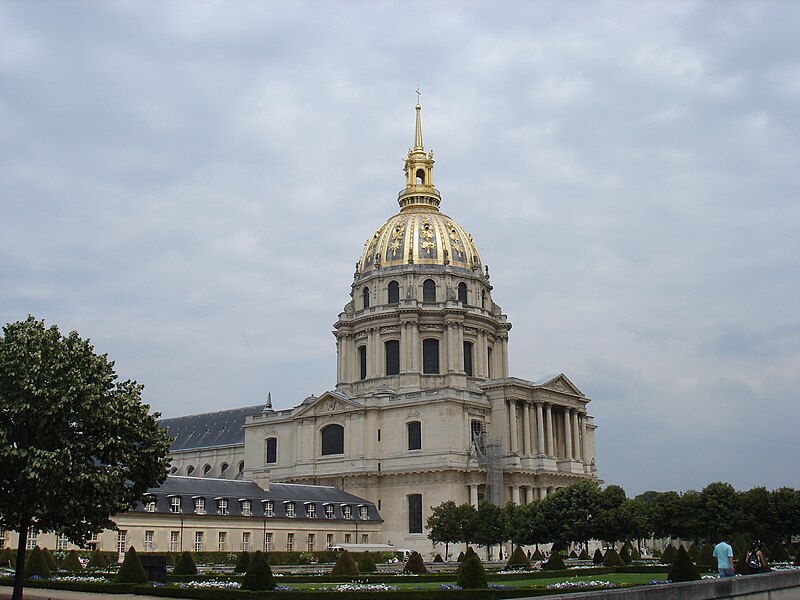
(190,184)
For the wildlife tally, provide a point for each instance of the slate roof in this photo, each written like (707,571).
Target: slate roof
(207,430)
(188,488)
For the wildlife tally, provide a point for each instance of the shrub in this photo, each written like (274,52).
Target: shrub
(131,570)
(554,563)
(573,554)
(97,561)
(624,555)
(415,564)
(740,545)
(613,559)
(584,555)
(51,561)
(537,556)
(693,553)
(71,562)
(683,569)
(777,553)
(668,557)
(438,558)
(345,567)
(7,557)
(471,575)
(635,553)
(185,565)
(366,564)
(706,556)
(242,563)
(797,558)
(518,559)
(460,556)
(170,558)
(36,565)
(259,575)
(598,557)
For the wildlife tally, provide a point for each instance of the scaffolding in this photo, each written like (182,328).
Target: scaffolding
(490,456)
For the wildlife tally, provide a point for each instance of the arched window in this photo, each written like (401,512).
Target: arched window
(332,439)
(189,470)
(420,177)
(429,290)
(392,348)
(222,468)
(362,362)
(271,451)
(206,469)
(414,429)
(365,297)
(468,358)
(462,293)
(489,362)
(394,292)
(241,467)
(430,356)
(173,470)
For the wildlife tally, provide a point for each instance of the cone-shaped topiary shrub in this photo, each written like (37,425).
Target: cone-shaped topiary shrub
(97,561)
(740,545)
(366,564)
(7,557)
(131,570)
(797,558)
(635,553)
(438,558)
(36,564)
(460,556)
(185,564)
(612,559)
(259,574)
(518,560)
(554,563)
(573,554)
(777,553)
(242,562)
(51,561)
(683,568)
(345,566)
(624,555)
(537,556)
(669,554)
(706,556)
(71,562)
(693,553)
(471,574)
(415,564)
(170,558)
(584,555)
(597,559)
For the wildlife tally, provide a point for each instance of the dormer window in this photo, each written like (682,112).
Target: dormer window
(150,504)
(311,510)
(363,512)
(289,508)
(269,508)
(175,504)
(222,506)
(347,511)
(329,511)
(200,506)
(247,508)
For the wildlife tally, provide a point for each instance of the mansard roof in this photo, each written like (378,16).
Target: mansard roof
(189,488)
(207,430)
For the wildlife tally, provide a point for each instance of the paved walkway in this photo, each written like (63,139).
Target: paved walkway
(40,594)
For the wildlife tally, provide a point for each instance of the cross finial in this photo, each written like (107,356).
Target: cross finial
(418,94)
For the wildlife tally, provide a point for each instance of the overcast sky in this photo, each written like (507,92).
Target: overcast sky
(189,184)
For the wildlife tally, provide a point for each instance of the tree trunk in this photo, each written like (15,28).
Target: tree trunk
(446,546)
(19,574)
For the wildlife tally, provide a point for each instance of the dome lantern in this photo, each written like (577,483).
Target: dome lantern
(419,192)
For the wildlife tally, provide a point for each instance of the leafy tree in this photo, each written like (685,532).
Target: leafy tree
(445,526)
(345,566)
(131,570)
(719,505)
(489,529)
(76,445)
(259,574)
(366,564)
(572,512)
(662,512)
(784,512)
(185,564)
(690,525)
(535,528)
(471,574)
(71,562)
(415,564)
(683,569)
(36,565)
(242,562)
(754,505)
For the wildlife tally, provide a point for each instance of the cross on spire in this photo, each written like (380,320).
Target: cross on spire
(418,94)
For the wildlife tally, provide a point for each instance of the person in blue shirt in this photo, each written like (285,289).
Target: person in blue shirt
(724,555)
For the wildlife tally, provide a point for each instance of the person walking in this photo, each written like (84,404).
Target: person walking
(724,555)
(756,563)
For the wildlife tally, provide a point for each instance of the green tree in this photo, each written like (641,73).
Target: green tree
(784,512)
(131,570)
(76,445)
(444,526)
(259,574)
(719,505)
(572,512)
(489,529)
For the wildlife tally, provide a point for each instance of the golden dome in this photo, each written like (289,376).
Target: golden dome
(419,234)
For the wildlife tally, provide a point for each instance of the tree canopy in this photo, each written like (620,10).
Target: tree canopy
(76,445)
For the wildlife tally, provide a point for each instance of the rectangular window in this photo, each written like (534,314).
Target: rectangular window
(290,542)
(363,513)
(122,542)
(175,504)
(365,538)
(222,506)
(200,506)
(269,508)
(347,538)
(222,541)
(268,542)
(310,542)
(362,362)
(414,435)
(329,540)
(245,541)
(392,348)
(174,541)
(329,511)
(32,535)
(468,358)
(2,538)
(289,509)
(150,505)
(247,508)
(148,541)
(198,541)
(62,542)
(347,511)
(430,357)
(311,511)
(271,450)
(415,513)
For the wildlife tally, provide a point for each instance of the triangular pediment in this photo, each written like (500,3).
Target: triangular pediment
(326,404)
(558,383)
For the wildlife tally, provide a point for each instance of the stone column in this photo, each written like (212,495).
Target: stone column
(582,425)
(529,494)
(512,417)
(459,350)
(404,347)
(549,417)
(515,494)
(576,436)
(539,428)
(568,433)
(526,429)
(415,349)
(473,495)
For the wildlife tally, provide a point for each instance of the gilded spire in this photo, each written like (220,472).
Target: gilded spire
(418,133)
(419,193)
